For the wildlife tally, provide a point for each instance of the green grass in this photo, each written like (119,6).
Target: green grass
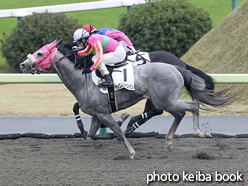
(98,18)
(224,50)
(218,9)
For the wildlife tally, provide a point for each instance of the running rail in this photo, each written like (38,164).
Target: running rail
(53,78)
(75,7)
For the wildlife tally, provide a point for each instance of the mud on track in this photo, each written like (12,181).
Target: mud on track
(75,161)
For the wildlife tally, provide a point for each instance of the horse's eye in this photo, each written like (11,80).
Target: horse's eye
(39,54)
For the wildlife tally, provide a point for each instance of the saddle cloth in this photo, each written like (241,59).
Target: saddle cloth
(139,59)
(123,76)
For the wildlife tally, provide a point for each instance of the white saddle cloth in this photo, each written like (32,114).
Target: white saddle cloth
(123,76)
(136,59)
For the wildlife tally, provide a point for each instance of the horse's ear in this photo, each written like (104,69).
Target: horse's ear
(60,41)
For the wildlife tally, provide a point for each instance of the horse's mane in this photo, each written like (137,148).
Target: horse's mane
(67,48)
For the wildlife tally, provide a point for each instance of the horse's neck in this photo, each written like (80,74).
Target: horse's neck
(73,79)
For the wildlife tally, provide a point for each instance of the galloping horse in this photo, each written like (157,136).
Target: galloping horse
(158,82)
(150,110)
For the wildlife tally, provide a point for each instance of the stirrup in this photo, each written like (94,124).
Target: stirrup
(107,83)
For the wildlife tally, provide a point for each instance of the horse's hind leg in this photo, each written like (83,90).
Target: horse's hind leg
(79,121)
(194,109)
(169,137)
(137,121)
(196,128)
(177,110)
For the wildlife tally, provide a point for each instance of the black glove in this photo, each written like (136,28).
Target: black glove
(86,71)
(75,50)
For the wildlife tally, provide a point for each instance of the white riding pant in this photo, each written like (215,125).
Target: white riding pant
(116,56)
(125,45)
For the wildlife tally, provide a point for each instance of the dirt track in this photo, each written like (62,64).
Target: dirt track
(74,161)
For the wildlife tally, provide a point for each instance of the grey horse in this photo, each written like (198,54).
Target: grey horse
(149,111)
(161,83)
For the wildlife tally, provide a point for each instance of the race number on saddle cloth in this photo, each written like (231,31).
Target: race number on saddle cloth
(123,77)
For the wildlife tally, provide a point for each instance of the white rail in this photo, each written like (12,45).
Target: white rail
(22,12)
(53,78)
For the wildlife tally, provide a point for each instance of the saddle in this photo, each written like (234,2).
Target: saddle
(139,58)
(122,75)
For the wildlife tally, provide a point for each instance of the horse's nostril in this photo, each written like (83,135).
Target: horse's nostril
(22,65)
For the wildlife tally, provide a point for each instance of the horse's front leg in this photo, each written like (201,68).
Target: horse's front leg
(108,120)
(79,121)
(95,125)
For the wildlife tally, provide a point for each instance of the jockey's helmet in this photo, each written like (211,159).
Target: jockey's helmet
(89,28)
(80,34)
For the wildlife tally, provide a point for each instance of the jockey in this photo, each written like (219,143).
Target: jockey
(115,34)
(107,51)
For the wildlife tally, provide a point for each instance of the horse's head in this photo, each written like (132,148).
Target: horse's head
(41,59)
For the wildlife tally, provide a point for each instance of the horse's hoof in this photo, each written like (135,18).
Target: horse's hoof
(85,134)
(117,139)
(129,130)
(124,116)
(132,155)
(169,148)
(207,135)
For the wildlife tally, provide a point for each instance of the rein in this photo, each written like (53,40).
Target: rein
(75,60)
(86,83)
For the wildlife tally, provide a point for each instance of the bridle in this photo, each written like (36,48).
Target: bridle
(43,58)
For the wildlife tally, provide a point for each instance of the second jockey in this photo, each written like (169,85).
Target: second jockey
(113,33)
(106,50)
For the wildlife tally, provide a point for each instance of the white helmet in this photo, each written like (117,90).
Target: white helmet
(80,34)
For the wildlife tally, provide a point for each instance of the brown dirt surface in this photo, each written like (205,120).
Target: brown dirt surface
(75,161)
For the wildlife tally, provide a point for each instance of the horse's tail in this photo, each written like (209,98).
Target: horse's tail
(196,88)
(209,81)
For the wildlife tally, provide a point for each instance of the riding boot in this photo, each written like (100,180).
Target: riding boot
(108,81)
